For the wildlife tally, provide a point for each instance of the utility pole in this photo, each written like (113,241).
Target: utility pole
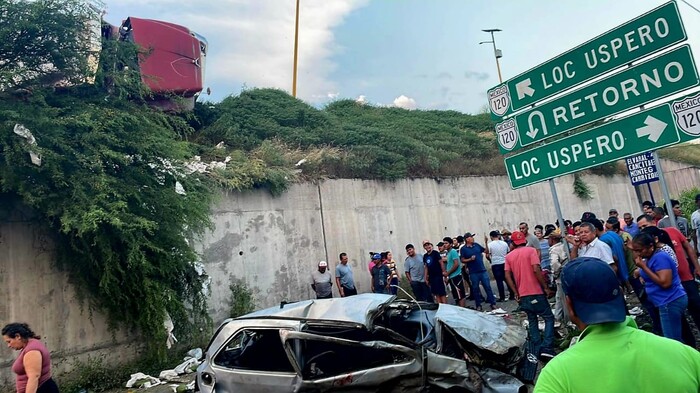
(496,52)
(296,52)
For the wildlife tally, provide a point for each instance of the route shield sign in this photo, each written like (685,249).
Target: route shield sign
(657,78)
(644,35)
(647,130)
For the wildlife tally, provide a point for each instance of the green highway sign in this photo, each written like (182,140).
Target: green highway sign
(644,35)
(650,129)
(660,77)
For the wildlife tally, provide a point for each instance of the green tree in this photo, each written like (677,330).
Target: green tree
(49,40)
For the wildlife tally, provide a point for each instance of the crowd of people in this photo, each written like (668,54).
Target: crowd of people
(648,257)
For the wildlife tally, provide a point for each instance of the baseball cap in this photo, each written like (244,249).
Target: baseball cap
(494,233)
(518,238)
(504,231)
(323,264)
(611,211)
(588,216)
(426,241)
(553,233)
(594,291)
(377,256)
(468,234)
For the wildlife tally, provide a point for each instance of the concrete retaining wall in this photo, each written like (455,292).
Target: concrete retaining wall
(34,291)
(273,244)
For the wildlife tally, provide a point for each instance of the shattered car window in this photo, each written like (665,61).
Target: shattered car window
(257,350)
(322,359)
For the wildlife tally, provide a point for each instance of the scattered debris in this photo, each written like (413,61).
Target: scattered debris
(169,327)
(142,381)
(179,189)
(29,137)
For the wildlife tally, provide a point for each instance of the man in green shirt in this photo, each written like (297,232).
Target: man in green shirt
(611,354)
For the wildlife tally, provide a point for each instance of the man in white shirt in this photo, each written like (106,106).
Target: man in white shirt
(695,222)
(496,251)
(558,257)
(588,245)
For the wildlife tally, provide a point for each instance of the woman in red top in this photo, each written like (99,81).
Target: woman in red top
(33,365)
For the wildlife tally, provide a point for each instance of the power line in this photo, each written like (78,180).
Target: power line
(691,6)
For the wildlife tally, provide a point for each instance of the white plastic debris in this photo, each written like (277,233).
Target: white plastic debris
(186,366)
(169,327)
(36,158)
(167,375)
(179,189)
(220,145)
(301,162)
(142,381)
(195,353)
(25,133)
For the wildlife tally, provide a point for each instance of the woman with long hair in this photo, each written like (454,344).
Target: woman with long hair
(659,271)
(33,365)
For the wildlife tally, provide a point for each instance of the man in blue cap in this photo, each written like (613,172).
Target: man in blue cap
(611,342)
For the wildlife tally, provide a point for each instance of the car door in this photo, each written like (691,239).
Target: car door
(254,360)
(330,363)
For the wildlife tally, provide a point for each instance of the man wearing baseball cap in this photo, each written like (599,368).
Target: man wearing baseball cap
(322,281)
(611,342)
(531,293)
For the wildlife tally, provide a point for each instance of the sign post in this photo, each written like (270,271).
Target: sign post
(642,36)
(652,80)
(643,131)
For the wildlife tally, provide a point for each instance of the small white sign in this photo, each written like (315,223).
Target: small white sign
(687,113)
(499,100)
(507,132)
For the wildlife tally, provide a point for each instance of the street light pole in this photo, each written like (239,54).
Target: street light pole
(296,52)
(496,52)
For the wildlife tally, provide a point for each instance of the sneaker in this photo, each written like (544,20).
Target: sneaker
(479,308)
(636,311)
(546,356)
(498,311)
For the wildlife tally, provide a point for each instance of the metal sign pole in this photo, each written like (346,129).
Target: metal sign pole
(664,189)
(560,217)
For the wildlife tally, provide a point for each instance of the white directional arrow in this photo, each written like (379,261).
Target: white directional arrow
(523,88)
(653,128)
(532,132)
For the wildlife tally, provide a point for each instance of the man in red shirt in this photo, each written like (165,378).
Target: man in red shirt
(531,292)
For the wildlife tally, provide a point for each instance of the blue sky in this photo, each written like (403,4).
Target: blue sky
(410,53)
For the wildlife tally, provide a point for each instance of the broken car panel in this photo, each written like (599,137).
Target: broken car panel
(363,343)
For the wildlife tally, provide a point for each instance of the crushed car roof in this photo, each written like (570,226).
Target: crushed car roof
(359,309)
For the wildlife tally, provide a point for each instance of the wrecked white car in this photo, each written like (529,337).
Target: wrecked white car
(364,343)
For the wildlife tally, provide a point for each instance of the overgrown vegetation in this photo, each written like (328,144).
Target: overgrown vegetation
(241,299)
(687,200)
(126,188)
(581,189)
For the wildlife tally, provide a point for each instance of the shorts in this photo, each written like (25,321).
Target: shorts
(437,286)
(457,286)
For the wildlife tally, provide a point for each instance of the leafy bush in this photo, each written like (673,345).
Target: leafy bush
(241,299)
(687,200)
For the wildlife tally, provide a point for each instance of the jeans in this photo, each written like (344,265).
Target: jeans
(421,291)
(534,306)
(670,315)
(483,279)
(499,274)
(561,313)
(349,291)
(394,283)
(653,312)
(691,289)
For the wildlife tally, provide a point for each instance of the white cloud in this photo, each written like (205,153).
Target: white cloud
(252,42)
(362,99)
(405,102)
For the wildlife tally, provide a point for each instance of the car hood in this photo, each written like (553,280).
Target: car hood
(488,332)
(359,310)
